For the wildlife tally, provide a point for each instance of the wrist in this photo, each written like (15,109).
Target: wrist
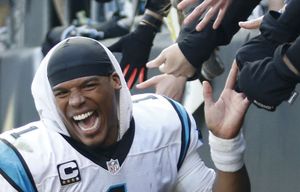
(161,7)
(227,154)
(274,30)
(196,53)
(151,20)
(292,53)
(284,65)
(290,65)
(154,14)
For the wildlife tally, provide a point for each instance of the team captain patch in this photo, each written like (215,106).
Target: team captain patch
(68,172)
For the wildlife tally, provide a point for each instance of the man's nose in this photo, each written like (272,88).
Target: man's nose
(76,99)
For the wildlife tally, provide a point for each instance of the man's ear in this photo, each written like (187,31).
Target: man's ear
(116,80)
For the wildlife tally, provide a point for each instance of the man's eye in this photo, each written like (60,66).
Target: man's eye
(61,94)
(90,86)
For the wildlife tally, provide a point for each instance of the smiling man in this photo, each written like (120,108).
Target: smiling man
(85,89)
(93,136)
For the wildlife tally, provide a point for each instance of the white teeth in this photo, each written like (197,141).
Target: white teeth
(96,124)
(82,116)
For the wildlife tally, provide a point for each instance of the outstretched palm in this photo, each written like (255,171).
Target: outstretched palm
(225,116)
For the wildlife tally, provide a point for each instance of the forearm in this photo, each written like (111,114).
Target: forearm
(274,75)
(197,46)
(227,155)
(291,14)
(160,7)
(292,57)
(237,11)
(154,13)
(232,182)
(152,19)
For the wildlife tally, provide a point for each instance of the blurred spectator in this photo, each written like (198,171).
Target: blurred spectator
(4,12)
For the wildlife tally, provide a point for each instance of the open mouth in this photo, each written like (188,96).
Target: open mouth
(87,121)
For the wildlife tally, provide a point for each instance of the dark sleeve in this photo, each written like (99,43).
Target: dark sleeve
(293,53)
(197,46)
(290,17)
(272,34)
(269,81)
(161,7)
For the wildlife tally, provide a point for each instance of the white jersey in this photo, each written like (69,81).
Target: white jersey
(151,155)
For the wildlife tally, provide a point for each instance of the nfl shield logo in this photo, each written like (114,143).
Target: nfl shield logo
(113,166)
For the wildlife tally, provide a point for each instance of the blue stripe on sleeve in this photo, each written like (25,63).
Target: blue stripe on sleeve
(14,169)
(186,130)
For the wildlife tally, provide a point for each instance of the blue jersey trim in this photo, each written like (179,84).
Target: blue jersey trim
(185,132)
(118,188)
(14,169)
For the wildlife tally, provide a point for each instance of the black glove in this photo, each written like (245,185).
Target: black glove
(135,47)
(268,82)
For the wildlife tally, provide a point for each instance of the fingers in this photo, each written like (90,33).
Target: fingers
(246,102)
(132,78)
(126,70)
(252,24)
(142,74)
(219,6)
(130,75)
(162,68)
(215,7)
(207,94)
(199,10)
(221,15)
(183,4)
(152,82)
(231,79)
(210,13)
(160,59)
(219,18)
(193,15)
(133,74)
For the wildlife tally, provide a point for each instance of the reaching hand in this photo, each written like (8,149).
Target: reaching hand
(167,85)
(172,61)
(225,116)
(252,24)
(135,47)
(255,23)
(211,6)
(261,64)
